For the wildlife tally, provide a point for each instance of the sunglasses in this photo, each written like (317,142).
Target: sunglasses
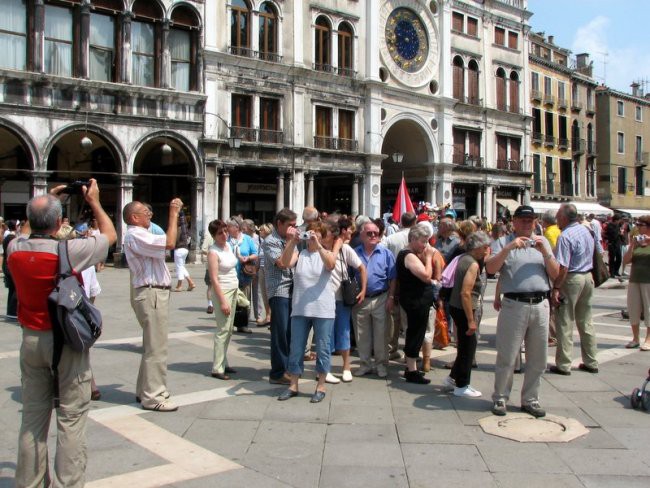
(371,233)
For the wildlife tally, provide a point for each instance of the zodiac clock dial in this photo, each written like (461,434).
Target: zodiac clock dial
(406,40)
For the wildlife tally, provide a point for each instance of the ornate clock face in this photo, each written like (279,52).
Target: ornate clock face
(406,40)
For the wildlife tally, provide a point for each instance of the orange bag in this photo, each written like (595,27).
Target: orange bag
(441,331)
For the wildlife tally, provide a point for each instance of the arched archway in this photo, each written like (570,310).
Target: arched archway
(410,138)
(17,158)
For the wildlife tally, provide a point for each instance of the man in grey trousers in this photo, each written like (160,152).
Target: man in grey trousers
(526,267)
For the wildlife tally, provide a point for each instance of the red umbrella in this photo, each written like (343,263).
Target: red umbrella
(403,202)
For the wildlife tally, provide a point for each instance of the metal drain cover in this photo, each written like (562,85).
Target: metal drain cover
(522,427)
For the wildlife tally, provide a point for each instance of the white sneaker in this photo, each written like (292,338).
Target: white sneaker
(330,378)
(381,371)
(467,391)
(448,384)
(347,376)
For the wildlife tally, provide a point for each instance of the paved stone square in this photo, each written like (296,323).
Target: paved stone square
(371,432)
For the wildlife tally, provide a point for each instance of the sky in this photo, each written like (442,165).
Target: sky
(615,33)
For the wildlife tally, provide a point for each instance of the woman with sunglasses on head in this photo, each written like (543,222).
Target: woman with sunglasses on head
(638,290)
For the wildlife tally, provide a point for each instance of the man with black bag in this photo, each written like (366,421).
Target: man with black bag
(33,262)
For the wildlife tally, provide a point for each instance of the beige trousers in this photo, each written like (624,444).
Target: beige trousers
(151,307)
(223,331)
(577,290)
(37,395)
(372,330)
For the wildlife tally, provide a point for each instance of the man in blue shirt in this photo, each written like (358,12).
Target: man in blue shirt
(572,292)
(372,329)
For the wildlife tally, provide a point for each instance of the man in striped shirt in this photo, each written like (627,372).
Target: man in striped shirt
(150,288)
(572,292)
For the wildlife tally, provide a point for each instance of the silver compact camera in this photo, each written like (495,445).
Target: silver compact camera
(640,239)
(531,242)
(304,236)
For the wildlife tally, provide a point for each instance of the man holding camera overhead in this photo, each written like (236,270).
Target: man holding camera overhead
(526,268)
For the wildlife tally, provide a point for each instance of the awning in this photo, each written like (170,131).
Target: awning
(635,212)
(542,206)
(509,203)
(592,208)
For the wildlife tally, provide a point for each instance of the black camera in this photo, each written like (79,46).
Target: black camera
(75,187)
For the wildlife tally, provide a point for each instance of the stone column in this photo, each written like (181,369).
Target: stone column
(126,58)
(279,198)
(83,69)
(310,190)
(39,36)
(297,190)
(39,183)
(126,196)
(354,202)
(198,219)
(489,207)
(165,58)
(225,192)
(373,186)
(479,201)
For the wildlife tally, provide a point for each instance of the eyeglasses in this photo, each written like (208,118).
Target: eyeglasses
(371,233)
(146,212)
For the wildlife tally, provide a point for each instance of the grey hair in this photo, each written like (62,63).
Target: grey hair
(447,224)
(549,217)
(570,211)
(310,214)
(476,240)
(249,225)
(361,221)
(43,212)
(235,222)
(418,232)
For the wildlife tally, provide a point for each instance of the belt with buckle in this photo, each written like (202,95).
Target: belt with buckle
(376,294)
(157,287)
(531,297)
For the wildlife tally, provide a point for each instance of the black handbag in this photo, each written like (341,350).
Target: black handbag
(599,270)
(350,287)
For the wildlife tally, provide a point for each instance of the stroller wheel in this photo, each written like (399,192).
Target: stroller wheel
(635,401)
(645,400)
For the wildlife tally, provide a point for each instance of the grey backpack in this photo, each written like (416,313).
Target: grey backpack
(76,322)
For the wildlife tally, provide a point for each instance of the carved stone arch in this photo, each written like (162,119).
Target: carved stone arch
(167,137)
(27,143)
(183,18)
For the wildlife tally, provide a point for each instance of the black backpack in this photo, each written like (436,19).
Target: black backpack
(76,322)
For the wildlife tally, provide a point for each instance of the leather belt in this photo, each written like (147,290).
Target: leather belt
(157,287)
(531,297)
(376,294)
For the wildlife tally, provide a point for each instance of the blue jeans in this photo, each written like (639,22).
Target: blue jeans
(341,333)
(322,335)
(280,336)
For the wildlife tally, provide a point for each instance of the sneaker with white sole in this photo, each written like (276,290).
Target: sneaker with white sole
(499,408)
(382,372)
(448,384)
(347,376)
(330,378)
(466,391)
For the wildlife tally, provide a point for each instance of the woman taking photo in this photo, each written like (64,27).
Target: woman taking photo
(312,305)
(222,264)
(464,308)
(414,268)
(638,290)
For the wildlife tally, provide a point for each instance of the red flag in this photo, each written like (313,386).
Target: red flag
(403,202)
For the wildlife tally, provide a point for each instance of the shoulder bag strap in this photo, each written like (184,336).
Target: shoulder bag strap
(57,332)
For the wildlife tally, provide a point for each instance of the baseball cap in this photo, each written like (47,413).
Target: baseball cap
(524,211)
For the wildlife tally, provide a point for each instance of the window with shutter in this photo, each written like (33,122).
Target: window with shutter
(472,26)
(513,40)
(500,36)
(457,22)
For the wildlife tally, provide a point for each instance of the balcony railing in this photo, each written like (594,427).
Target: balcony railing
(562,103)
(538,137)
(327,68)
(536,95)
(349,72)
(334,143)
(591,148)
(576,105)
(247,134)
(271,136)
(468,160)
(563,143)
(267,56)
(510,164)
(549,99)
(549,140)
(241,51)
(249,53)
(577,145)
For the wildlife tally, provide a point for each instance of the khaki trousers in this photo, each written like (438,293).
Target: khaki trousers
(37,396)
(396,318)
(577,291)
(372,330)
(517,322)
(151,307)
(223,331)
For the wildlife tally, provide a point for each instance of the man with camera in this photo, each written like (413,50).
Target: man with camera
(526,267)
(33,263)
(572,292)
(151,286)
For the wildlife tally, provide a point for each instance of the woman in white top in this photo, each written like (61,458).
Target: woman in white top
(312,305)
(222,264)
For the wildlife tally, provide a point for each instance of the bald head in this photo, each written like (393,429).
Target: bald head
(44,213)
(309,215)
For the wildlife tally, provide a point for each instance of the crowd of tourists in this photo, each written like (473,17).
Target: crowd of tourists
(324,288)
